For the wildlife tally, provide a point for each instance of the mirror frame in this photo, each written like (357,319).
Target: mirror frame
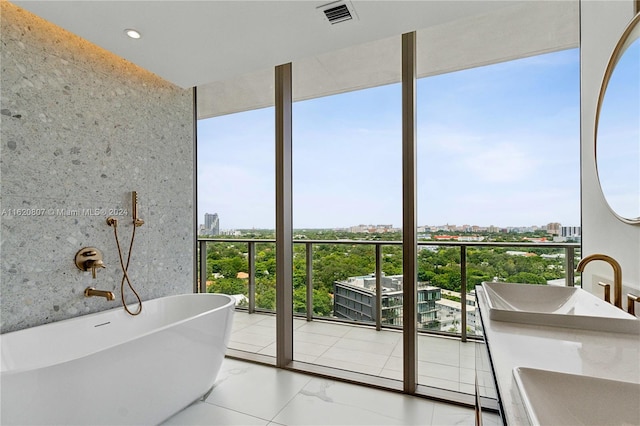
(630,35)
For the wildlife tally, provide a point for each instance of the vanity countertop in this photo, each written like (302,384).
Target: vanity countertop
(584,352)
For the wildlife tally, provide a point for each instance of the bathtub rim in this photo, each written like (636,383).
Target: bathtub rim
(44,364)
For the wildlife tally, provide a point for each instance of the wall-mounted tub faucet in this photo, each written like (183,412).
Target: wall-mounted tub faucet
(89,258)
(90,291)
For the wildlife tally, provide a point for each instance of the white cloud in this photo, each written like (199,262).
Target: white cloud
(505,162)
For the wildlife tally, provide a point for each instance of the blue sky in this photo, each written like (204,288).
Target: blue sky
(497,145)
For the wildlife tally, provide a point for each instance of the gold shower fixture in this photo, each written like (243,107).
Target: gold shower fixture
(134,202)
(89,259)
(137,222)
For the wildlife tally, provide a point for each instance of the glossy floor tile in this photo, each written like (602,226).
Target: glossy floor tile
(445,363)
(253,394)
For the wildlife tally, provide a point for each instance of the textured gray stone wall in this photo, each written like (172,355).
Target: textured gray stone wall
(81,129)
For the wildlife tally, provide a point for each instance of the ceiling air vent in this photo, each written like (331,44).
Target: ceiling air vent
(338,14)
(338,11)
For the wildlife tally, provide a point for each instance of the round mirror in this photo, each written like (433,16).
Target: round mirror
(618,127)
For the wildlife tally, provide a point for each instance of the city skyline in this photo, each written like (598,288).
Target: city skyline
(393,227)
(496,145)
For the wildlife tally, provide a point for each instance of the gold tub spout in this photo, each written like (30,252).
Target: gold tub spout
(90,291)
(617,274)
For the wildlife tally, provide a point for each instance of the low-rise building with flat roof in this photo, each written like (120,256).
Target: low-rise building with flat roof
(355,299)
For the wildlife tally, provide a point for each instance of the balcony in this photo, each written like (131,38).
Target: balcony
(447,356)
(444,362)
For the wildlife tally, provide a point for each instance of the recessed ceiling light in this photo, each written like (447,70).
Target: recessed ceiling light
(132,33)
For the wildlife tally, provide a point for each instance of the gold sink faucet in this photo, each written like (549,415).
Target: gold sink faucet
(617,274)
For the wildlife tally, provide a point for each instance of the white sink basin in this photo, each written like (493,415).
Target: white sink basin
(552,398)
(555,306)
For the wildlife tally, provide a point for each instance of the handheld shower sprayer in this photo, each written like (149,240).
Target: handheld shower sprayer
(134,202)
(112,221)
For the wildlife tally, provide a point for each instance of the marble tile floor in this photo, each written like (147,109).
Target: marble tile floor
(444,363)
(252,394)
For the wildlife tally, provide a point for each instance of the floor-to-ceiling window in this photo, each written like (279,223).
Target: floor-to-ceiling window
(497,162)
(236,203)
(481,137)
(347,199)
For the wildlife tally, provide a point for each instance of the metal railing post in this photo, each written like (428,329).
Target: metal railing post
(463,292)
(203,267)
(309,271)
(378,306)
(569,266)
(251,257)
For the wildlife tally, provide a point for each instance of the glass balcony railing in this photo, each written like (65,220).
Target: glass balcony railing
(360,281)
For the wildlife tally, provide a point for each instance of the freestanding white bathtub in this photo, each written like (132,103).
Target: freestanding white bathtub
(113,368)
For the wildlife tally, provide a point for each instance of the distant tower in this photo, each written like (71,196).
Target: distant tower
(553,228)
(212,224)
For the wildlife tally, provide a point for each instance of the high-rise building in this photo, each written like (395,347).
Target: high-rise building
(571,231)
(553,228)
(211,224)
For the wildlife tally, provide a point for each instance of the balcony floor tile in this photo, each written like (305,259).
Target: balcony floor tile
(443,362)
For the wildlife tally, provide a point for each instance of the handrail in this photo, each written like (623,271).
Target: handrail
(569,249)
(398,242)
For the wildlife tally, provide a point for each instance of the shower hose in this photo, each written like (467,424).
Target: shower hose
(125,276)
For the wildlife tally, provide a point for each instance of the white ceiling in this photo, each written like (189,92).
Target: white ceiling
(191,43)
(521,30)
